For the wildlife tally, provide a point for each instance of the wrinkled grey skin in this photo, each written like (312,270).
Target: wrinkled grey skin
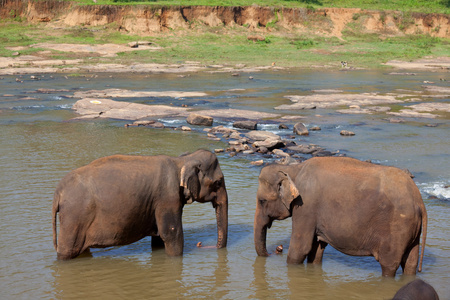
(358,208)
(416,290)
(120,199)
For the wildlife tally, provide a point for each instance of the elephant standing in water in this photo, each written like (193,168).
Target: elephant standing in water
(120,199)
(357,207)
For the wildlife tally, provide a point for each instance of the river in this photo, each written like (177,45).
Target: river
(39,145)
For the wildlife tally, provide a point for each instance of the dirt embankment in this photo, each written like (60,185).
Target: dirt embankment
(147,20)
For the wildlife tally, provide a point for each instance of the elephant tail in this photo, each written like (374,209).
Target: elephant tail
(55,210)
(424,234)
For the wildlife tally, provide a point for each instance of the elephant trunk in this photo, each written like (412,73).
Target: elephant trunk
(221,206)
(260,232)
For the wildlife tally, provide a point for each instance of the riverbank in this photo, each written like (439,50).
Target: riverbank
(53,36)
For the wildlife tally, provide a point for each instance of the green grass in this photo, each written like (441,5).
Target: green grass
(230,45)
(213,47)
(367,51)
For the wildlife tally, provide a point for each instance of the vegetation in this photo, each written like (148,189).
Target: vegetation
(426,6)
(232,45)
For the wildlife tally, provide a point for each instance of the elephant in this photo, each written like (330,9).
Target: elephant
(416,290)
(120,199)
(359,208)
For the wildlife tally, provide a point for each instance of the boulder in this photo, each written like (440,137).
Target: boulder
(223,130)
(270,143)
(257,162)
(300,129)
(288,160)
(347,133)
(304,149)
(235,135)
(249,125)
(195,119)
(263,150)
(257,135)
(280,152)
(234,143)
(322,153)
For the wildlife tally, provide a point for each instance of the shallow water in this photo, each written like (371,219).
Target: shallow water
(38,146)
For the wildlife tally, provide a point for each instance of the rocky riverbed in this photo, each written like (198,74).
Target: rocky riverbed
(244,136)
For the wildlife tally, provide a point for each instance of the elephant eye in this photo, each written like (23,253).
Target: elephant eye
(218,183)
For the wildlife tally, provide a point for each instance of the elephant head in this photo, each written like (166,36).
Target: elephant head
(202,180)
(274,198)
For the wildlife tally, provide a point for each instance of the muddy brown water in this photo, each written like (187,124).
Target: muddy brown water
(38,146)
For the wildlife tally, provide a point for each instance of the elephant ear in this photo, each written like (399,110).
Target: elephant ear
(287,190)
(190,181)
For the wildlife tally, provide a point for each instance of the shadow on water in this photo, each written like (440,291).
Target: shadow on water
(153,275)
(308,281)
(207,234)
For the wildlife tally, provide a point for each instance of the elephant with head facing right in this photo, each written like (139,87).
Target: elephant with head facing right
(120,199)
(359,208)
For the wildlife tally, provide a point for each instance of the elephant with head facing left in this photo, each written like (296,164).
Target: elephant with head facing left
(120,199)
(359,208)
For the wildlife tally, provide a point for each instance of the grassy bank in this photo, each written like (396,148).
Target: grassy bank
(225,46)
(230,45)
(426,6)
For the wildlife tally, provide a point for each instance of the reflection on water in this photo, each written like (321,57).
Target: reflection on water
(38,147)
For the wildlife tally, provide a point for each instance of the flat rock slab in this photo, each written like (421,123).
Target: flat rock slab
(122,93)
(107,108)
(238,114)
(365,110)
(438,89)
(333,100)
(422,110)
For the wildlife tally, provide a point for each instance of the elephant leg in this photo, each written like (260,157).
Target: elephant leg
(300,246)
(411,258)
(70,243)
(157,242)
(170,229)
(389,259)
(316,253)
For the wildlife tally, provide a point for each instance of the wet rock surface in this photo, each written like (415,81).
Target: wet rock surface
(300,129)
(241,135)
(249,125)
(201,120)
